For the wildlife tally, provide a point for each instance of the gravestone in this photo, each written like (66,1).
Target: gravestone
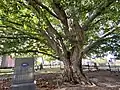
(23,78)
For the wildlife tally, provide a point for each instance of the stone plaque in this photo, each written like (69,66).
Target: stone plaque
(23,77)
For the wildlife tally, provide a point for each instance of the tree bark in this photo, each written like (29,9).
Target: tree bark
(73,71)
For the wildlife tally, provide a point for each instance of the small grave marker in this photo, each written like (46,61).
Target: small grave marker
(23,78)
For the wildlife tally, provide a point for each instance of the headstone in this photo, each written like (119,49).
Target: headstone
(23,78)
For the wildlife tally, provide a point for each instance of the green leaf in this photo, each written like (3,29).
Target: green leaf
(25,27)
(35,19)
(1,22)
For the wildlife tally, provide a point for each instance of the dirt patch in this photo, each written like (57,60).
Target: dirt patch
(104,80)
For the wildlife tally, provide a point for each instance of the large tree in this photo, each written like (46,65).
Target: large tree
(65,29)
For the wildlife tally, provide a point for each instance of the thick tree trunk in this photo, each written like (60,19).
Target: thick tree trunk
(73,71)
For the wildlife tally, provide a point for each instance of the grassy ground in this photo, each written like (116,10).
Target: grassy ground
(45,70)
(49,70)
(6,71)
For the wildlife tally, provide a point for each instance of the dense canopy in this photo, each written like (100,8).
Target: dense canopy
(29,25)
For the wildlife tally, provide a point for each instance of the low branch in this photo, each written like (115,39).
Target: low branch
(28,51)
(22,31)
(112,29)
(17,25)
(17,37)
(108,33)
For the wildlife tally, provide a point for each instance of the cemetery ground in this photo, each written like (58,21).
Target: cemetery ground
(50,79)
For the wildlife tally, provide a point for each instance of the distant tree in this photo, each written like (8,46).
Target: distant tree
(64,29)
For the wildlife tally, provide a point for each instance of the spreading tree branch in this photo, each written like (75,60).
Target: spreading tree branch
(17,37)
(46,8)
(22,31)
(100,40)
(97,12)
(27,51)
(47,33)
(58,36)
(60,12)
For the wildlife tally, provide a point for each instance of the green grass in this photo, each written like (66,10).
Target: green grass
(45,70)
(100,61)
(49,70)
(6,71)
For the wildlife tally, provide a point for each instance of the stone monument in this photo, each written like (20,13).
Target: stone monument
(23,78)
